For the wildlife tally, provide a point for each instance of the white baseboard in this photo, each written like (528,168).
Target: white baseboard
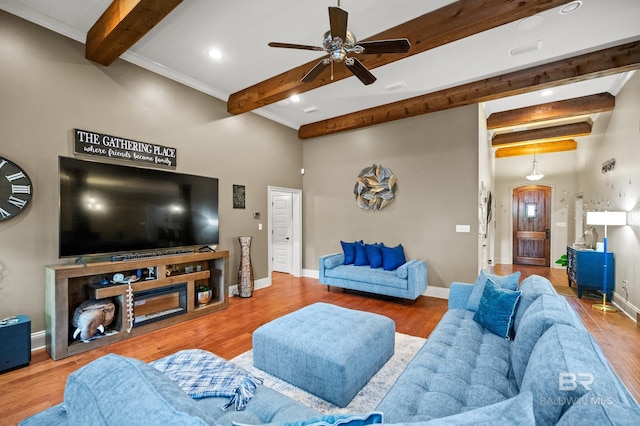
(311,273)
(628,308)
(38,340)
(257,285)
(437,292)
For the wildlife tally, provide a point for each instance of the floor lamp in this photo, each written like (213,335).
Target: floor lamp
(605,218)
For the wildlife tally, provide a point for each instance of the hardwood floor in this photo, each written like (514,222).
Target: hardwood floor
(40,385)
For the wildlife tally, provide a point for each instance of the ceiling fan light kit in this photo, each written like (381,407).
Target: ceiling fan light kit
(339,42)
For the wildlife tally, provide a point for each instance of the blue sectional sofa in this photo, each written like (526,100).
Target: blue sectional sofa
(407,281)
(550,372)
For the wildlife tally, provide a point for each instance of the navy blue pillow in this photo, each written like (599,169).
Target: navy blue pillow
(374,254)
(392,257)
(497,309)
(349,250)
(361,255)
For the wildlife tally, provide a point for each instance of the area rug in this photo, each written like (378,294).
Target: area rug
(369,396)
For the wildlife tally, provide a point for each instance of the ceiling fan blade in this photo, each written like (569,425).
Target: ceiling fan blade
(338,22)
(295,46)
(360,71)
(315,71)
(400,45)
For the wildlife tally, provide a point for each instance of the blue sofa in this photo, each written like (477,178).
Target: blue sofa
(551,372)
(407,281)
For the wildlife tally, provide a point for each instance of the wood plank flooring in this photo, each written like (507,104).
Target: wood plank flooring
(40,385)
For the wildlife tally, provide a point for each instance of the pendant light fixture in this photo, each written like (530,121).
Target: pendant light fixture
(535,174)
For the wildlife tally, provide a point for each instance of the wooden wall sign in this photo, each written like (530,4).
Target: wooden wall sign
(100,145)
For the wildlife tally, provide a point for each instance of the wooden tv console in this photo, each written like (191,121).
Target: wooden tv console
(67,286)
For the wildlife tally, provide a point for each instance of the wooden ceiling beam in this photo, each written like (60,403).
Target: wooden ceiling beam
(613,60)
(453,22)
(122,25)
(552,133)
(537,148)
(584,105)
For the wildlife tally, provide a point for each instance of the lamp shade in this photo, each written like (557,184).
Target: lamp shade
(606,218)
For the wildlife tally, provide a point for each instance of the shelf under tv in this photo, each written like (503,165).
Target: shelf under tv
(67,286)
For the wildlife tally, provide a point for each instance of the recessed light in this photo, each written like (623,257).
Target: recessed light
(547,92)
(283,103)
(530,23)
(310,109)
(570,7)
(215,54)
(294,98)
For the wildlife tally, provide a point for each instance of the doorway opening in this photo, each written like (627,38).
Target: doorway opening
(285,230)
(531,225)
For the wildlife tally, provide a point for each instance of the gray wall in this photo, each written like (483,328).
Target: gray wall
(435,158)
(619,190)
(47,89)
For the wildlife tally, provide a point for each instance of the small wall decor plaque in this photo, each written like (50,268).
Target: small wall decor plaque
(238,196)
(375,187)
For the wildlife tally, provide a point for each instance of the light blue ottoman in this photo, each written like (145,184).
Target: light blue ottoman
(327,350)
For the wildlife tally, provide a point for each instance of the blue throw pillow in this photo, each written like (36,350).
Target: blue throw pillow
(349,250)
(392,257)
(374,254)
(510,282)
(497,309)
(361,255)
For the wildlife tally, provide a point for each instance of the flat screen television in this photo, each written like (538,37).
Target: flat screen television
(108,208)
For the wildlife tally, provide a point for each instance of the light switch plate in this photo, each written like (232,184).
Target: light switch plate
(463,228)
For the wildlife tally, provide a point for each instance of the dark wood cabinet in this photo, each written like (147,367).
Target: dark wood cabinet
(585,269)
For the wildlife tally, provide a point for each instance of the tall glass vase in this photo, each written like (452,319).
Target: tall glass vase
(245,271)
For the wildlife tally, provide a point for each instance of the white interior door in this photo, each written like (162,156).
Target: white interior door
(282,241)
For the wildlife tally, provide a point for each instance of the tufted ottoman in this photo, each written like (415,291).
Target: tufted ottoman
(327,350)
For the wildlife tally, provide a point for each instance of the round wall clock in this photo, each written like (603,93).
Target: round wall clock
(16,189)
(375,188)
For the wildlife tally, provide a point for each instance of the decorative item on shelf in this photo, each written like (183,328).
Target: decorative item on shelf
(375,187)
(245,271)
(535,174)
(606,218)
(590,238)
(92,316)
(203,294)
(151,273)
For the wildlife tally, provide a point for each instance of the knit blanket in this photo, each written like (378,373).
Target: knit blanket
(202,374)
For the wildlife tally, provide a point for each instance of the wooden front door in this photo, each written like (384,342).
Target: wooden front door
(531,230)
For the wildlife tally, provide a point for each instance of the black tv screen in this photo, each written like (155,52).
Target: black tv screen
(107,208)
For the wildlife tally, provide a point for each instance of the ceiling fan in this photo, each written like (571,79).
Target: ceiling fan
(339,42)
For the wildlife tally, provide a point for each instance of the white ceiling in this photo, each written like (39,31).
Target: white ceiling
(178,47)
